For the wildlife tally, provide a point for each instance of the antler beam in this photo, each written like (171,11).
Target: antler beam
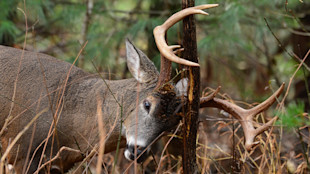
(244,116)
(160,31)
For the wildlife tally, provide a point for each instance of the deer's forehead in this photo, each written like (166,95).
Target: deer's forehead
(164,95)
(153,99)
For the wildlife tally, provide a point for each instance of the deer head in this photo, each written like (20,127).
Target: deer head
(157,112)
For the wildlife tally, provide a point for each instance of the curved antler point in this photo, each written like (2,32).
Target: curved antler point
(159,33)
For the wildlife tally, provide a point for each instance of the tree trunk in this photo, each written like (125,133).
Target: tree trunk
(85,28)
(191,119)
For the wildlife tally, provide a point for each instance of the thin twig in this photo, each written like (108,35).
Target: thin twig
(9,117)
(17,137)
(58,156)
(291,79)
(90,155)
(60,103)
(163,151)
(101,135)
(159,136)
(292,55)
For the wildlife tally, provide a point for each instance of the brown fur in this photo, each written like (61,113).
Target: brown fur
(40,84)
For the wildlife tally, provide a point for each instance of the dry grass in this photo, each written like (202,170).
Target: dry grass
(220,149)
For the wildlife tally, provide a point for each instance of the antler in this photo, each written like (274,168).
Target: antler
(160,31)
(244,116)
(167,52)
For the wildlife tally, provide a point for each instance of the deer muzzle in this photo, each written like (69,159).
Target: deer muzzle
(132,152)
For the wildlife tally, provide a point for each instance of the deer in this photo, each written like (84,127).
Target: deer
(56,109)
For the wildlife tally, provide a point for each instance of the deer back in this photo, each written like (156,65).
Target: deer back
(31,82)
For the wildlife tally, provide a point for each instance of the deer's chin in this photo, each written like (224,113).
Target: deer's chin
(141,153)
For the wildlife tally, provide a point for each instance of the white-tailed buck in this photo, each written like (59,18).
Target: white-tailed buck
(52,107)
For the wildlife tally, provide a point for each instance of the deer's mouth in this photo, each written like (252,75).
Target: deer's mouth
(132,152)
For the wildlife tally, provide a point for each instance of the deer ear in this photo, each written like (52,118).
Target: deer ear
(181,87)
(140,66)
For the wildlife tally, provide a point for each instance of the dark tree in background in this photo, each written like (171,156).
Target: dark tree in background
(191,118)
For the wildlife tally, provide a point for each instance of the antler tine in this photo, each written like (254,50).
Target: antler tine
(267,103)
(245,116)
(210,96)
(160,31)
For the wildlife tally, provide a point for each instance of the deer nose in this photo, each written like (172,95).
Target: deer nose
(132,148)
(130,153)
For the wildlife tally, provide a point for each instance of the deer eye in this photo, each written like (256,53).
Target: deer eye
(147,105)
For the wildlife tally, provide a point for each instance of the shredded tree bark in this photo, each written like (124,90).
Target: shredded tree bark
(191,118)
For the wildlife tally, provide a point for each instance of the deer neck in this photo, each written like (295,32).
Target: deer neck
(115,98)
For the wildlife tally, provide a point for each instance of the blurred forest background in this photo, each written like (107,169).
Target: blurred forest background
(247,47)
